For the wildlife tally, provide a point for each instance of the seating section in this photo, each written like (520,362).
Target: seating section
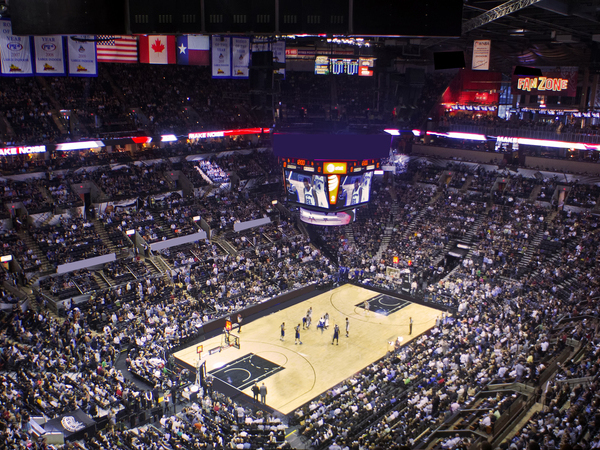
(517,306)
(71,284)
(72,239)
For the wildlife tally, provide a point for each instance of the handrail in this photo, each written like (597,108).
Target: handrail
(576,381)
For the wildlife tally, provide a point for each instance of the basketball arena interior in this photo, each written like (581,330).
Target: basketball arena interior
(278,224)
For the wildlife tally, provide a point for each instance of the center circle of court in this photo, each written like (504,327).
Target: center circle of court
(382,302)
(275,357)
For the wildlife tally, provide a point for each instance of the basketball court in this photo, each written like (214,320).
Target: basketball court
(295,374)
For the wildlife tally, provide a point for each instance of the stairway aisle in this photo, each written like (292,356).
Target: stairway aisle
(99,228)
(387,234)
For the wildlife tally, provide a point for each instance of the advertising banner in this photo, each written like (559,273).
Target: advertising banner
(481,55)
(81,51)
(15,52)
(73,425)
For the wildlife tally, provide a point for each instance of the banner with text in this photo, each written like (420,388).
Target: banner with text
(221,56)
(240,57)
(279,55)
(15,52)
(555,81)
(481,55)
(82,56)
(49,56)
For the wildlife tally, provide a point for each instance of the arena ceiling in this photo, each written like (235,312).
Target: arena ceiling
(523,32)
(530,32)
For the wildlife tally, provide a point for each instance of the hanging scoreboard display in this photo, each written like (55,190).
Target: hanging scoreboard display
(328,185)
(325,65)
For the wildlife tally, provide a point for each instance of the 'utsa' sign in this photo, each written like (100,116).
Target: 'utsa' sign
(543,84)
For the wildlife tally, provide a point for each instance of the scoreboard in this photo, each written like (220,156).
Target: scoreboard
(330,167)
(363,67)
(329,176)
(328,185)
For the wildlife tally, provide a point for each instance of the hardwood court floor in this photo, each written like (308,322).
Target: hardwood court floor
(317,365)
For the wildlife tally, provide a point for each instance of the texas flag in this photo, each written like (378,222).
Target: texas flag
(157,49)
(193,50)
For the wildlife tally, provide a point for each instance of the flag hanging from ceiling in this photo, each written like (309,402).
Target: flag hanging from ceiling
(117,49)
(193,50)
(158,49)
(15,52)
(49,56)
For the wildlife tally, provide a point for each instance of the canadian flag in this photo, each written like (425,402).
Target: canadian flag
(157,49)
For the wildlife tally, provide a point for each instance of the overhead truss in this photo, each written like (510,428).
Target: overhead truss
(496,13)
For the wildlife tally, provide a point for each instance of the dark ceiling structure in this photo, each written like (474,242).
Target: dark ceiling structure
(531,32)
(523,32)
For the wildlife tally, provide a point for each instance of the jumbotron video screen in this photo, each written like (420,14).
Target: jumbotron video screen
(324,192)
(306,189)
(334,178)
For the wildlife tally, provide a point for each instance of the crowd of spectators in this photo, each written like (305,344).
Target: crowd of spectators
(71,239)
(117,182)
(571,410)
(179,219)
(224,284)
(583,195)
(70,284)
(143,222)
(61,193)
(127,269)
(174,105)
(246,166)
(568,124)
(222,210)
(97,106)
(504,328)
(213,171)
(27,107)
(26,193)
(520,187)
(13,244)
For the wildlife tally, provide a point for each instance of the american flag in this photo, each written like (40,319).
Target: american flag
(117,49)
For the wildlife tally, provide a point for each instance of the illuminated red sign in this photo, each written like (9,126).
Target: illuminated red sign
(553,81)
(543,84)
(23,150)
(141,139)
(223,133)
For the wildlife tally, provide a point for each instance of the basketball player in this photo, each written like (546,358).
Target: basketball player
(282,331)
(320,193)
(356,193)
(336,335)
(309,193)
(347,327)
(298,341)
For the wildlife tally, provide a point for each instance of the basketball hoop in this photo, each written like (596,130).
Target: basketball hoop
(199,349)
